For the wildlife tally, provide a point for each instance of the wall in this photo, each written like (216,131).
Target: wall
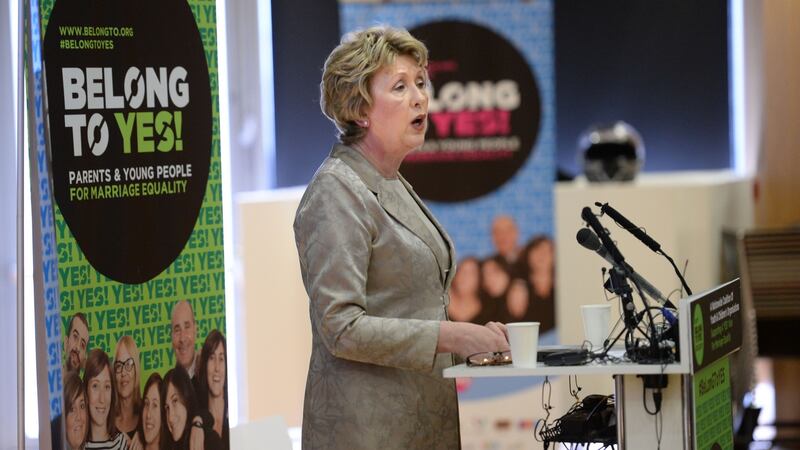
(274,306)
(304,32)
(662,66)
(779,162)
(779,165)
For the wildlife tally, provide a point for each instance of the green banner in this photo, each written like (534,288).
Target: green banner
(713,419)
(716,320)
(134,135)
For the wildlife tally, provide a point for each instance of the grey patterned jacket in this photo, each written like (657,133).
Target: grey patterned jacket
(378,289)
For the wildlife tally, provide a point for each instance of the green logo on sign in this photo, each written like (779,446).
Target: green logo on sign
(697,334)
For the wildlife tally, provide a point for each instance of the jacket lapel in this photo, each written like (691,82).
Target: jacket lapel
(394,206)
(446,262)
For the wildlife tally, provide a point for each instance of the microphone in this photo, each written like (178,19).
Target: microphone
(642,236)
(588,216)
(590,241)
(629,226)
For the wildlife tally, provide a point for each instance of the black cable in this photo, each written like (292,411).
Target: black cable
(644,402)
(659,424)
(678,272)
(658,416)
(546,406)
(577,390)
(659,420)
(653,334)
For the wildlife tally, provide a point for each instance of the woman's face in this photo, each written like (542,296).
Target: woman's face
(397,118)
(541,256)
(216,371)
(151,414)
(125,372)
(176,412)
(99,393)
(468,277)
(495,279)
(77,422)
(517,299)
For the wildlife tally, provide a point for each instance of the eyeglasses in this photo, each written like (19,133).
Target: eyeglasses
(489,359)
(127,365)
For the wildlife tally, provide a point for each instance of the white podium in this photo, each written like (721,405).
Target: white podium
(704,341)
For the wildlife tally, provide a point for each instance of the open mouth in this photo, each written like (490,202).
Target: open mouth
(419,121)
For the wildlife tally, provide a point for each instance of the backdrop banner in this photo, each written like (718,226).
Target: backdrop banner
(487,171)
(134,167)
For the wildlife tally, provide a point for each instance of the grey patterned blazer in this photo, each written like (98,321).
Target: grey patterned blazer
(378,289)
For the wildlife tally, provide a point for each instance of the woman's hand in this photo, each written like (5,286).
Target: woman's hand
(500,328)
(197,435)
(466,339)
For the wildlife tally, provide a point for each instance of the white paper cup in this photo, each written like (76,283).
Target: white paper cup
(596,321)
(524,340)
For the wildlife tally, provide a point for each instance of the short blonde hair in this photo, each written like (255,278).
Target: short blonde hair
(130,345)
(344,90)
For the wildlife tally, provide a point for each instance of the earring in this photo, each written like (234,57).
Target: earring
(363,123)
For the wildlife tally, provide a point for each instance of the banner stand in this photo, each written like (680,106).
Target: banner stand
(20,264)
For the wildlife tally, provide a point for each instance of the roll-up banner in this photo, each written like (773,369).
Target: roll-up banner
(487,171)
(135,244)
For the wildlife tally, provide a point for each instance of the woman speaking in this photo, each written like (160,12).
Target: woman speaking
(377,265)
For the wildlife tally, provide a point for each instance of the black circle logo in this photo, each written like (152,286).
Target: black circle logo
(130,126)
(484,113)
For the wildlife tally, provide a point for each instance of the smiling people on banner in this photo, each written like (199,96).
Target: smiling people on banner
(184,335)
(152,425)
(186,428)
(212,385)
(101,395)
(465,293)
(505,235)
(77,416)
(377,265)
(76,343)
(539,266)
(129,399)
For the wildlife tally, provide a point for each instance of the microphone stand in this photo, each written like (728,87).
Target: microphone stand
(618,284)
(621,273)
